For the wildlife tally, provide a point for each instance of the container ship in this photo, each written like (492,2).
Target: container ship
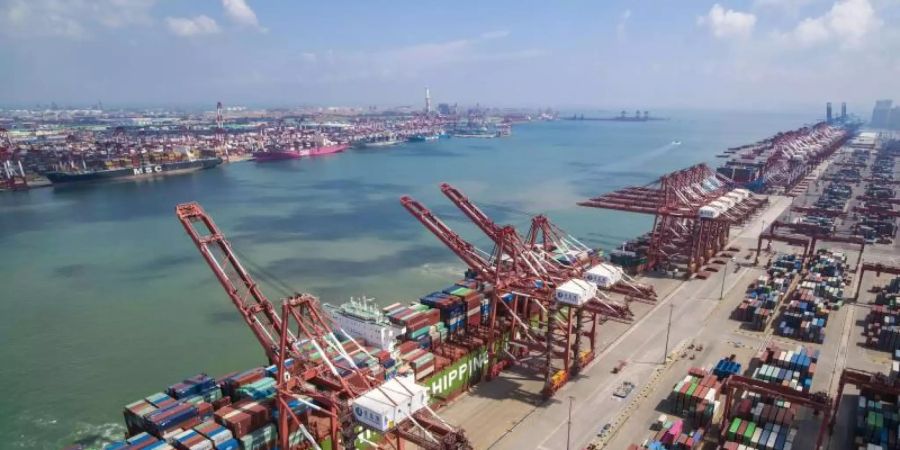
(238,411)
(426,350)
(321,147)
(140,170)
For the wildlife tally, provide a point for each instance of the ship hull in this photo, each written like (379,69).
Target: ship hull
(145,171)
(292,154)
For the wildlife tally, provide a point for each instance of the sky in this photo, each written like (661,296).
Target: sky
(724,54)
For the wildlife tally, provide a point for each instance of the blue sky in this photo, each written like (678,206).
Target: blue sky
(750,54)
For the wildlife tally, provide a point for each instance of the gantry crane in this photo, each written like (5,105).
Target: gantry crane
(878,268)
(303,345)
(679,234)
(815,233)
(543,333)
(819,402)
(542,238)
(10,167)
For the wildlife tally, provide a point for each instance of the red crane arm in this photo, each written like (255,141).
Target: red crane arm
(255,308)
(465,250)
(488,226)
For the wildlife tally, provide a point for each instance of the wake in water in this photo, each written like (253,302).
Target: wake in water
(630,163)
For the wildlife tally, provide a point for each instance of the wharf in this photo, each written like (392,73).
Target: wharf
(506,413)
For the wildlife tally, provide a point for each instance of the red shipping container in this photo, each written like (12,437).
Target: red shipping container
(240,423)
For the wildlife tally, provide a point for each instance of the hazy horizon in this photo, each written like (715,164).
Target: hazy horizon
(741,55)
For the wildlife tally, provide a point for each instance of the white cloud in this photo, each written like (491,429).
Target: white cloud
(240,13)
(728,23)
(848,22)
(186,26)
(70,18)
(621,27)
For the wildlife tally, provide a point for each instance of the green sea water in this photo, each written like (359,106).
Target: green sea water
(104,299)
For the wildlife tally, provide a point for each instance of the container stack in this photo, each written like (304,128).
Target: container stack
(882,329)
(161,415)
(418,320)
(726,367)
(422,362)
(757,424)
(877,423)
(696,396)
(245,417)
(826,277)
(820,292)
(790,368)
(672,435)
(767,291)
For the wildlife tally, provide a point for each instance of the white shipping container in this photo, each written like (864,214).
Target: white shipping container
(575,292)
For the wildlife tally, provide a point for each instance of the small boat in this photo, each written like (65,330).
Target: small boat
(676,142)
(423,137)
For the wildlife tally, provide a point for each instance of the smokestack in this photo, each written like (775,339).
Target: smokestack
(828,111)
(427,101)
(843,110)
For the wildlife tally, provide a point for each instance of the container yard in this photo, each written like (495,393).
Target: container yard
(807,373)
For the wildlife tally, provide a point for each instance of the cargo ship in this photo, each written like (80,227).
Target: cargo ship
(408,344)
(144,170)
(386,141)
(321,147)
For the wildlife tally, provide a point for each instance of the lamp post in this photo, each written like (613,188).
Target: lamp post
(569,429)
(668,329)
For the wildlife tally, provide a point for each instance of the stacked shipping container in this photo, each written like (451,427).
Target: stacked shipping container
(761,424)
(877,423)
(883,321)
(821,290)
(789,368)
(764,295)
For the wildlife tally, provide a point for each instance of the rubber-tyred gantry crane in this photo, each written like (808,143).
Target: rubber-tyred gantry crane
(303,345)
(875,383)
(799,234)
(735,385)
(878,268)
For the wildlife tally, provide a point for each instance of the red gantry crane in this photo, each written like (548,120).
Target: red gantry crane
(315,369)
(543,332)
(680,233)
(10,167)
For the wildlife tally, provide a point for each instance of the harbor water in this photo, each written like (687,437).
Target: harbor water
(104,299)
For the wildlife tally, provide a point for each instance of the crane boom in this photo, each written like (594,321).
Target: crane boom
(473,212)
(465,250)
(257,311)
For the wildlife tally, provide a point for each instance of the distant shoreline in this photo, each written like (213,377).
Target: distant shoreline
(615,119)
